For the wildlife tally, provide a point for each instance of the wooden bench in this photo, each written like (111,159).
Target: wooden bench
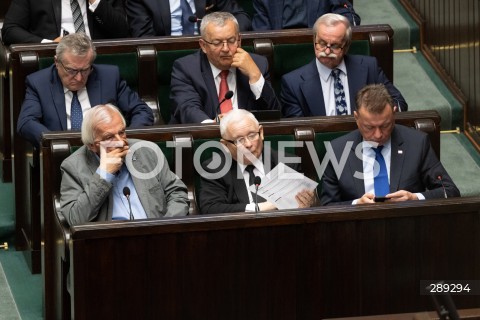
(136,59)
(56,146)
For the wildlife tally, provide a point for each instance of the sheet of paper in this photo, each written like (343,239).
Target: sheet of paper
(281,185)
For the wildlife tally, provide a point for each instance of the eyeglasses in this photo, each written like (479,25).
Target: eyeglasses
(220,43)
(109,137)
(241,141)
(322,46)
(73,72)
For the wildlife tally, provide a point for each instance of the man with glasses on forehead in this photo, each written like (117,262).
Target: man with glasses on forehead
(327,86)
(95,177)
(200,80)
(57,96)
(242,139)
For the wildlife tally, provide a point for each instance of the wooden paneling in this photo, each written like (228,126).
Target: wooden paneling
(451,41)
(304,264)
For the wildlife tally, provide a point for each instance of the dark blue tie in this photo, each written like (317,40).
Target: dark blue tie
(380,181)
(76,115)
(340,101)
(188,27)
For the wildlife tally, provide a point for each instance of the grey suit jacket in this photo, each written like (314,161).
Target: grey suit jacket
(414,167)
(85,196)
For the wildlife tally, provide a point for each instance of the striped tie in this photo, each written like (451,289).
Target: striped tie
(77,16)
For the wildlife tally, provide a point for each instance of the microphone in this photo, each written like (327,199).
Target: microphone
(126,193)
(194,19)
(439,177)
(257,181)
(345,5)
(228,96)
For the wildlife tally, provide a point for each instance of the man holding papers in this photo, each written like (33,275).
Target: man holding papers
(227,175)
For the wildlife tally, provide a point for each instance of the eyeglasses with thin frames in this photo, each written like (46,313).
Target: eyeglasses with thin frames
(335,48)
(241,141)
(220,43)
(73,72)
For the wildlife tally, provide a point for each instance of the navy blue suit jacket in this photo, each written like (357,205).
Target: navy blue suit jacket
(274,15)
(31,21)
(153,17)
(301,91)
(194,95)
(414,167)
(44,108)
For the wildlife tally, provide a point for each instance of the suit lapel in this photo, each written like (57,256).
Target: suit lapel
(210,106)
(357,77)
(94,90)
(397,158)
(312,91)
(356,165)
(239,186)
(58,98)
(164,16)
(57,14)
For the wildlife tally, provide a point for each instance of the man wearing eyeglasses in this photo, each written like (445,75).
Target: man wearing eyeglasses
(95,177)
(200,80)
(224,188)
(327,86)
(57,96)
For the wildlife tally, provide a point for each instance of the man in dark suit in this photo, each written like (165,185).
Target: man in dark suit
(383,159)
(197,86)
(159,18)
(35,21)
(316,88)
(279,14)
(73,83)
(224,184)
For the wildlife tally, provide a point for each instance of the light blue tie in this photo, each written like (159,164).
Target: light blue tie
(188,27)
(340,101)
(76,115)
(380,181)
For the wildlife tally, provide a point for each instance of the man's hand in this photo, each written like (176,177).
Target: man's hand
(402,195)
(266,206)
(305,198)
(366,198)
(244,62)
(112,155)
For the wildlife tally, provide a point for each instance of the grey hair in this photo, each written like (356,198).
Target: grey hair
(102,113)
(218,18)
(235,115)
(77,43)
(331,20)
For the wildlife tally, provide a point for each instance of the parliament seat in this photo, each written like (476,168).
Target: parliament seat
(56,146)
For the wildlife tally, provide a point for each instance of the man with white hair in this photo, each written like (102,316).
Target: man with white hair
(327,86)
(115,178)
(242,137)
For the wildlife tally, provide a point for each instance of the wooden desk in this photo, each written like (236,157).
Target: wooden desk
(472,314)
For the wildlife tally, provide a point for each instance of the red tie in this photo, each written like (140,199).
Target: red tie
(227,104)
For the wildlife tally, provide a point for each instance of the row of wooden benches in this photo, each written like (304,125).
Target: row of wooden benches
(137,58)
(168,262)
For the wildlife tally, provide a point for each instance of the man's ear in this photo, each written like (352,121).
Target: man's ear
(202,45)
(395,108)
(260,130)
(355,114)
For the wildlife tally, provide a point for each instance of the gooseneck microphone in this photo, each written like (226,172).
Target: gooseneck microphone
(228,96)
(257,181)
(439,177)
(194,19)
(126,193)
